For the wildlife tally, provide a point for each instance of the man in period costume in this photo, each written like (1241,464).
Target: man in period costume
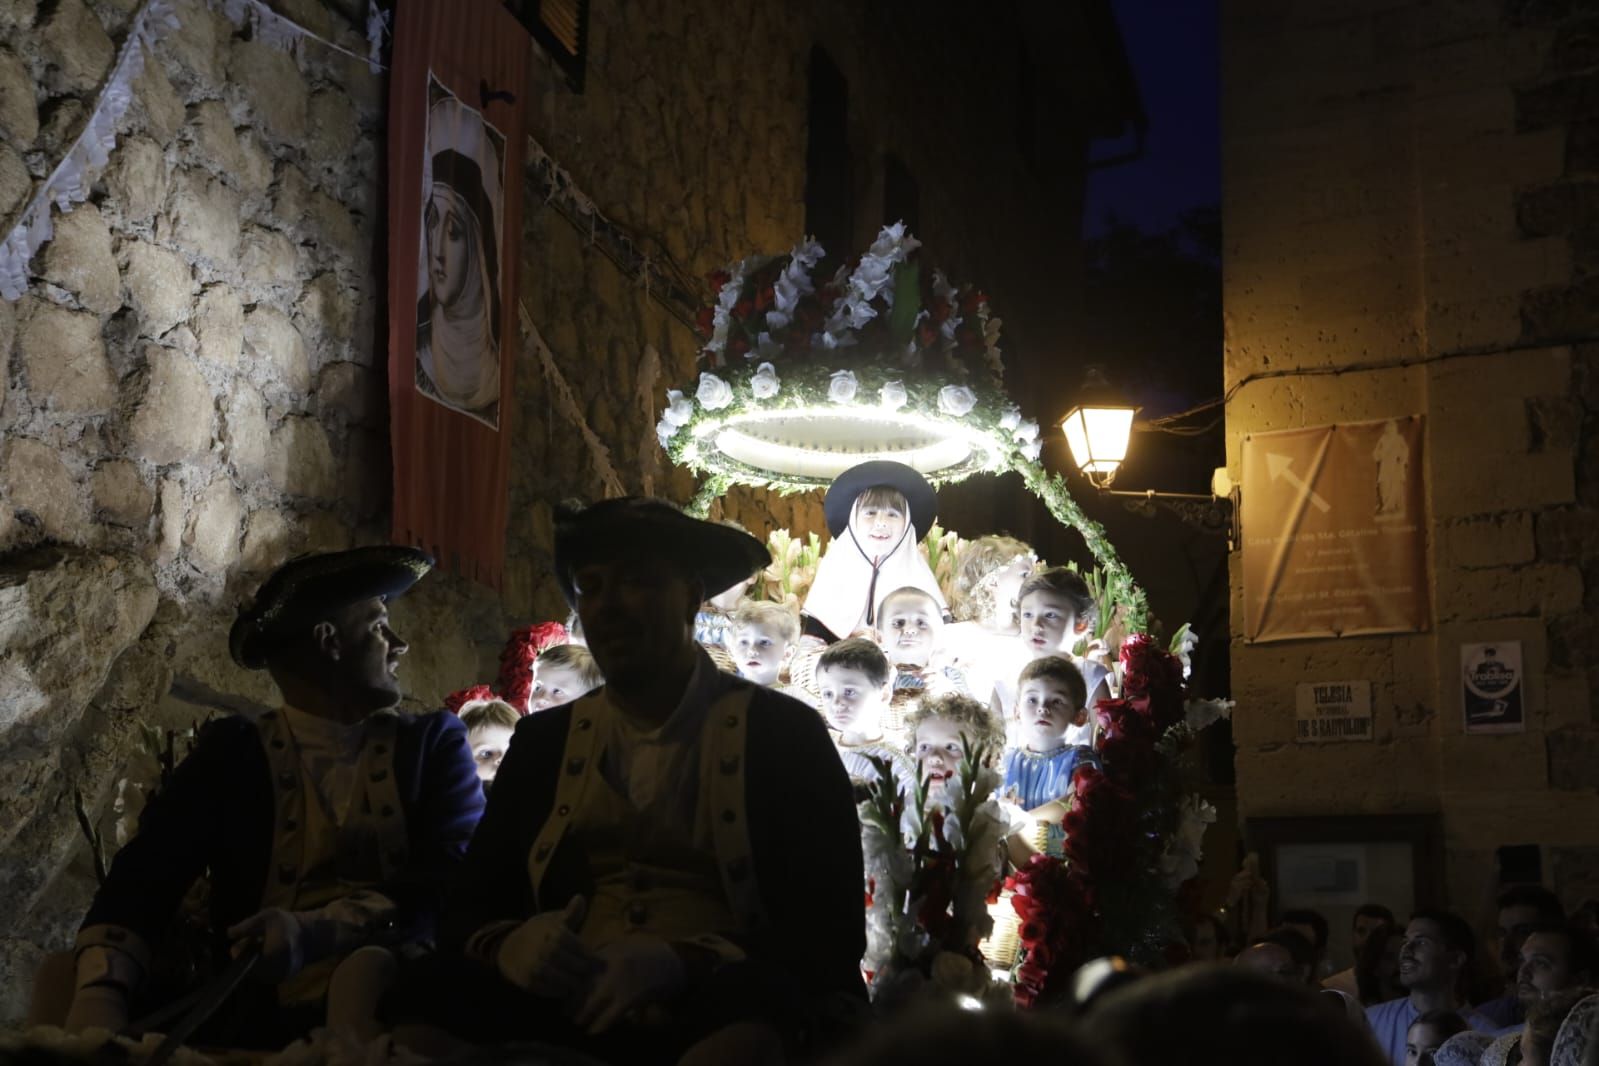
(669,868)
(327,824)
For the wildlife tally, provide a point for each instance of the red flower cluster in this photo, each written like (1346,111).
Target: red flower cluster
(521,651)
(757,295)
(1054,914)
(456,700)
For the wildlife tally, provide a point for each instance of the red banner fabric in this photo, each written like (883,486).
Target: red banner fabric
(456,110)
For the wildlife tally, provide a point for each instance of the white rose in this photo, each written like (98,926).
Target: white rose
(1032,448)
(956,400)
(664,431)
(892,396)
(764,382)
(713,393)
(1027,431)
(679,408)
(1010,419)
(842,388)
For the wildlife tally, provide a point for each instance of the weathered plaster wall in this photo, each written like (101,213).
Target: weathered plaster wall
(1412,184)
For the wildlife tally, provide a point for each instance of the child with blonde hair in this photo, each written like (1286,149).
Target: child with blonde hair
(943,730)
(562,674)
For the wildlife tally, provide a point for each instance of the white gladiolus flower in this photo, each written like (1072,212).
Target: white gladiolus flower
(713,393)
(679,408)
(1027,431)
(1201,713)
(842,388)
(1010,418)
(1032,449)
(892,395)
(764,382)
(956,400)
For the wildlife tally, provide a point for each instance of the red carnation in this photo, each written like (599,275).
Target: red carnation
(971,301)
(764,298)
(743,308)
(926,335)
(718,278)
(456,700)
(705,322)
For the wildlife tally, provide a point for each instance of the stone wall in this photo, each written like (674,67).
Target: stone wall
(1410,206)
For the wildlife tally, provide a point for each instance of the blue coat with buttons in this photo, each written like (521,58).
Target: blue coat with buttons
(216,814)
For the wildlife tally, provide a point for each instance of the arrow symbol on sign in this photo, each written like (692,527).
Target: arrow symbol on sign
(1280,466)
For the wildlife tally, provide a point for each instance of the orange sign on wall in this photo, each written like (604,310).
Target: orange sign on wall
(1334,531)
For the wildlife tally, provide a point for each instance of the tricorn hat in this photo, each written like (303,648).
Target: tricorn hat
(919,495)
(302,588)
(717,556)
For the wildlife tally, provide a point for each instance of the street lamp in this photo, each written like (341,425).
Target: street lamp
(1098,428)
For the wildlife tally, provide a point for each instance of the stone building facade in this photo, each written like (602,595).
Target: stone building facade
(194,383)
(1411,193)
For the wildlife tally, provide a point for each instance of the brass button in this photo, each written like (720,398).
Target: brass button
(379,775)
(388,811)
(730,765)
(286,874)
(575,766)
(583,723)
(380,749)
(290,825)
(729,817)
(637,913)
(563,810)
(285,780)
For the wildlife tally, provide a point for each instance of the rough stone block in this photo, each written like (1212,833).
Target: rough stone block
(172,421)
(1568,534)
(1573,759)
(246,436)
(266,541)
(75,47)
(267,257)
(1558,208)
(158,103)
(218,325)
(1561,310)
(78,258)
(301,460)
(334,133)
(39,484)
(15,181)
(1558,101)
(271,341)
(160,287)
(136,179)
(1490,541)
(211,129)
(203,217)
(346,392)
(174,507)
(19,111)
(291,195)
(254,175)
(213,530)
(266,80)
(327,310)
(196,43)
(64,357)
(324,531)
(1510,762)
(121,495)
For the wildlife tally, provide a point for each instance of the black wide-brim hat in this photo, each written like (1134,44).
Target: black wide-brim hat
(919,495)
(312,585)
(716,556)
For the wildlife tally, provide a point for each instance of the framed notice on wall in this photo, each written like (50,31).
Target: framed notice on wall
(1328,712)
(1491,689)
(1334,531)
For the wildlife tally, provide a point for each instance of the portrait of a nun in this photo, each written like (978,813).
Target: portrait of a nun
(458,319)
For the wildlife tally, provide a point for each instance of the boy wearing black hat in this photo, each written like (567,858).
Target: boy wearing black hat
(670,862)
(325,825)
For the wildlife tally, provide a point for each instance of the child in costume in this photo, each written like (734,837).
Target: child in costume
(982,643)
(562,674)
(908,627)
(1038,770)
(1055,611)
(762,641)
(876,513)
(941,730)
(852,676)
(489,724)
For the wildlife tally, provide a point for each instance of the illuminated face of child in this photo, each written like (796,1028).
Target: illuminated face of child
(555,685)
(850,702)
(877,527)
(907,629)
(1049,625)
(488,748)
(1043,712)
(1007,586)
(1421,1042)
(939,752)
(758,652)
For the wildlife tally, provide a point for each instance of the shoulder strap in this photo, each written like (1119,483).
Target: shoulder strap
(726,757)
(576,770)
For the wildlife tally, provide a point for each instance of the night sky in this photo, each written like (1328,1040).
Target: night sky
(1173,46)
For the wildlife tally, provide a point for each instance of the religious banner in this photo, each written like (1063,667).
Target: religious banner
(456,136)
(1334,531)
